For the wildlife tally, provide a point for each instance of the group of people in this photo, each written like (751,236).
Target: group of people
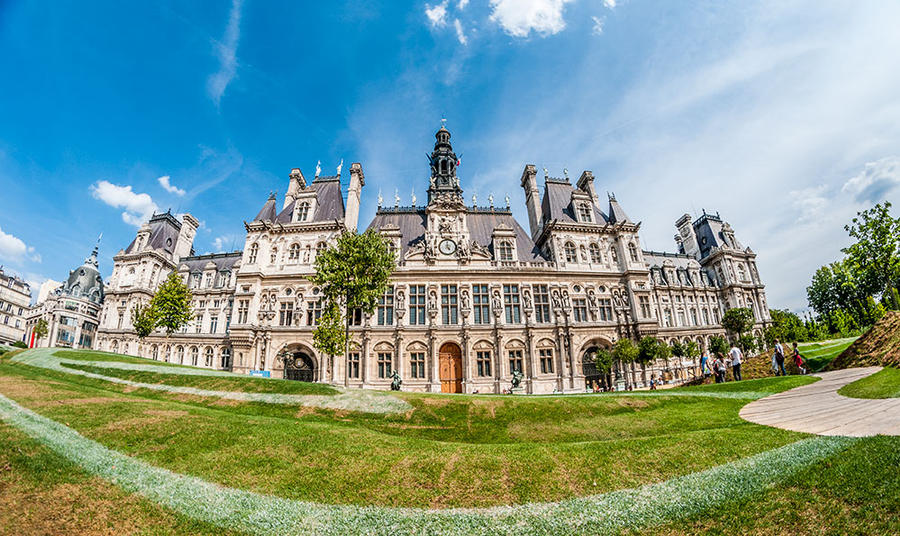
(718,366)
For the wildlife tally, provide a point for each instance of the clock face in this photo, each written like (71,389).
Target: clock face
(447,247)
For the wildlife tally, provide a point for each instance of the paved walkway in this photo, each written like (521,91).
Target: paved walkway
(817,408)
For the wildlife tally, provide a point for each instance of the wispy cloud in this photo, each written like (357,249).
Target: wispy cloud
(224,243)
(519,18)
(875,181)
(597,29)
(169,187)
(226,50)
(13,249)
(437,14)
(138,207)
(460,34)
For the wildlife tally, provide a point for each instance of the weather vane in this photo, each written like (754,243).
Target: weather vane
(443,122)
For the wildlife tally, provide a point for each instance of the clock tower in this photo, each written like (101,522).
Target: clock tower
(447,234)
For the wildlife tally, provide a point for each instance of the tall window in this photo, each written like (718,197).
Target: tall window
(294,252)
(541,304)
(303,211)
(645,306)
(254,251)
(353,365)
(584,212)
(511,304)
(417,365)
(417,304)
(314,312)
(286,315)
(632,252)
(449,307)
(681,321)
(198,323)
(243,308)
(179,352)
(356,317)
(209,280)
(594,250)
(481,307)
(483,362)
(195,280)
(505,250)
(195,354)
(694,317)
(208,356)
(571,254)
(546,357)
(613,256)
(384,364)
(706,317)
(668,317)
(579,306)
(274,255)
(320,247)
(515,361)
(386,308)
(213,323)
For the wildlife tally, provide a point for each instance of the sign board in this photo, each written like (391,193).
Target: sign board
(261,373)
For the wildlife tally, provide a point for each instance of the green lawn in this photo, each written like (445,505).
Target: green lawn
(93,355)
(819,354)
(883,384)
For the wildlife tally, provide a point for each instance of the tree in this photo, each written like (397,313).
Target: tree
(692,350)
(143,318)
(738,320)
(40,329)
(625,351)
(718,344)
(352,274)
(747,343)
(875,256)
(603,360)
(172,304)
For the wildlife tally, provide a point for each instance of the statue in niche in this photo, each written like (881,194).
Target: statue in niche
(445,225)
(464,298)
(432,300)
(557,304)
(496,303)
(526,298)
(592,299)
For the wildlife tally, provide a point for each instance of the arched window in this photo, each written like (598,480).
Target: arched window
(632,252)
(505,250)
(294,252)
(195,354)
(115,346)
(584,212)
(274,255)
(155,352)
(254,251)
(208,357)
(179,352)
(303,211)
(613,256)
(571,255)
(742,274)
(594,250)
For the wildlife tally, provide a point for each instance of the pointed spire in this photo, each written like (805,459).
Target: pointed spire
(616,213)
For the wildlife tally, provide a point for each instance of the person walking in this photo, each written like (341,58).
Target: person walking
(798,360)
(704,368)
(719,368)
(736,358)
(778,359)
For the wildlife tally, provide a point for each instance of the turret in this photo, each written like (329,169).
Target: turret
(297,183)
(354,190)
(185,242)
(532,198)
(586,184)
(443,163)
(687,236)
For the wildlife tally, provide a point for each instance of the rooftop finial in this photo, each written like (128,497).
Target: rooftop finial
(443,122)
(507,201)
(396,197)
(546,174)
(318,168)
(491,200)
(340,167)
(413,197)
(566,173)
(474,200)
(380,199)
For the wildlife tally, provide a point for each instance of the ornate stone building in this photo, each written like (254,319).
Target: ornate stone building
(72,310)
(474,297)
(15,305)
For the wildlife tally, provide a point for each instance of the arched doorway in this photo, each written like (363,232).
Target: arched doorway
(451,370)
(299,365)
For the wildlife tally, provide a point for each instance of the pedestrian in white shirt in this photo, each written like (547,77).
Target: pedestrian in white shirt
(736,357)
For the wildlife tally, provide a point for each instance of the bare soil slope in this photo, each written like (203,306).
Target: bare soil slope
(878,346)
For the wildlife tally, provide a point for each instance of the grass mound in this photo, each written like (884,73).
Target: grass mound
(878,346)
(883,384)
(214,383)
(94,355)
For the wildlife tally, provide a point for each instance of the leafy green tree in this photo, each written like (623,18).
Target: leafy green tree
(40,329)
(677,348)
(603,361)
(143,318)
(172,304)
(718,344)
(625,351)
(352,273)
(738,320)
(747,343)
(875,256)
(692,350)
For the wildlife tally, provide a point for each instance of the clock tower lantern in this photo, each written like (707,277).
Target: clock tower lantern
(447,234)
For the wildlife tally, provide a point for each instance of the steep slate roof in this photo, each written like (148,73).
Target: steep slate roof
(616,214)
(223,261)
(709,233)
(164,229)
(557,202)
(412,224)
(330,203)
(267,212)
(681,263)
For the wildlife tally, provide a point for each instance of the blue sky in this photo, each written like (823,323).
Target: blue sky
(782,116)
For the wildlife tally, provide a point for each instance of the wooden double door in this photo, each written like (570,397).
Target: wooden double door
(450,368)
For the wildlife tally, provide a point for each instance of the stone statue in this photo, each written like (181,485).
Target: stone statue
(526,297)
(516,379)
(380,199)
(318,168)
(592,299)
(491,199)
(340,167)
(496,303)
(557,304)
(507,200)
(432,301)
(413,198)
(396,382)
(464,298)
(474,200)
(401,299)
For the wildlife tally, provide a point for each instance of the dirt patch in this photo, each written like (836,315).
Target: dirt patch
(149,418)
(632,403)
(879,346)
(305,411)
(166,412)
(435,402)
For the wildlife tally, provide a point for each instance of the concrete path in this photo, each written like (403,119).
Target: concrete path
(817,408)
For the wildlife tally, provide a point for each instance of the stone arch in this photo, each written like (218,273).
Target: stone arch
(593,378)
(195,356)
(208,356)
(300,363)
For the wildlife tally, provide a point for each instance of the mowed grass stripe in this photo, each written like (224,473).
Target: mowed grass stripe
(261,514)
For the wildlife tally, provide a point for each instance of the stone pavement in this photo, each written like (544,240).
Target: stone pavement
(817,408)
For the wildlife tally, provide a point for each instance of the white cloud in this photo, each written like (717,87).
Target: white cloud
(598,25)
(810,203)
(13,249)
(437,14)
(138,207)
(226,243)
(226,50)
(459,32)
(462,4)
(169,187)
(874,182)
(610,4)
(519,18)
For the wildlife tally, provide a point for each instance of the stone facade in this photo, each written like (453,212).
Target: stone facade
(474,297)
(15,305)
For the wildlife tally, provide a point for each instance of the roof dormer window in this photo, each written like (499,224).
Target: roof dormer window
(584,213)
